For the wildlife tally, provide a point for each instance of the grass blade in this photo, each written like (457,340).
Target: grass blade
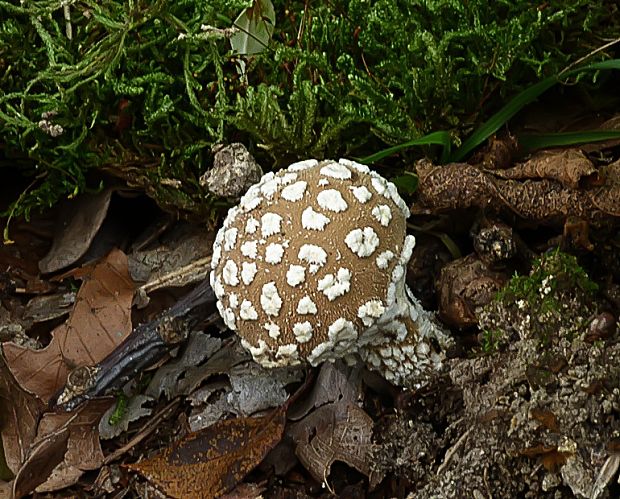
(530,142)
(519,102)
(436,138)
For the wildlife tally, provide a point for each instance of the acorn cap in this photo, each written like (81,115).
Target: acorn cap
(308,261)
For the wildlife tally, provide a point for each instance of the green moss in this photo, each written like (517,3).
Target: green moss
(491,340)
(141,90)
(555,301)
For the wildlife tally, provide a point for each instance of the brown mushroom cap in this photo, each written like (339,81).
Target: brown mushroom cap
(304,266)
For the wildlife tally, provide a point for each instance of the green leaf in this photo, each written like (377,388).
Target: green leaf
(522,99)
(435,138)
(530,142)
(407,183)
(255,26)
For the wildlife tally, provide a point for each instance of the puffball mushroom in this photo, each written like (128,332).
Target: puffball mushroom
(310,266)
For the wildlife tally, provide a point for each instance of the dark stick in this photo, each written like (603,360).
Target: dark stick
(145,345)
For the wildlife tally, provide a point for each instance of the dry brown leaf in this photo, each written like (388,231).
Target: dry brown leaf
(212,461)
(99,321)
(83,446)
(335,432)
(567,166)
(66,445)
(19,416)
(85,216)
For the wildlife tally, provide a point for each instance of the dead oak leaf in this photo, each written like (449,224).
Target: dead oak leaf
(341,431)
(99,321)
(66,445)
(211,462)
(19,415)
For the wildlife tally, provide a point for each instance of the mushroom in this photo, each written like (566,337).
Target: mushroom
(310,267)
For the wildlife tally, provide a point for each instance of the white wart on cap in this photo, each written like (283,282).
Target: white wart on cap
(310,265)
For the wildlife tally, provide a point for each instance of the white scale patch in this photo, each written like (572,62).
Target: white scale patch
(288,353)
(336,170)
(233,300)
(288,177)
(361,193)
(372,309)
(302,165)
(273,330)
(248,271)
(230,238)
(270,224)
(217,254)
(295,275)
(383,260)
(294,192)
(251,225)
(274,253)
(270,299)
(356,166)
(342,331)
(247,311)
(270,187)
(230,273)
(362,242)
(249,249)
(331,199)
(378,183)
(313,220)
(313,254)
(337,285)
(251,199)
(302,331)
(322,182)
(306,306)
(382,214)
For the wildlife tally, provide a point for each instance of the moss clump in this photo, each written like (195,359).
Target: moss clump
(144,89)
(555,301)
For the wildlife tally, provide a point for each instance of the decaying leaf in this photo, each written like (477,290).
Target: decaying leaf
(99,321)
(173,379)
(132,412)
(85,216)
(460,186)
(66,445)
(568,166)
(335,432)
(184,246)
(211,462)
(334,427)
(19,416)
